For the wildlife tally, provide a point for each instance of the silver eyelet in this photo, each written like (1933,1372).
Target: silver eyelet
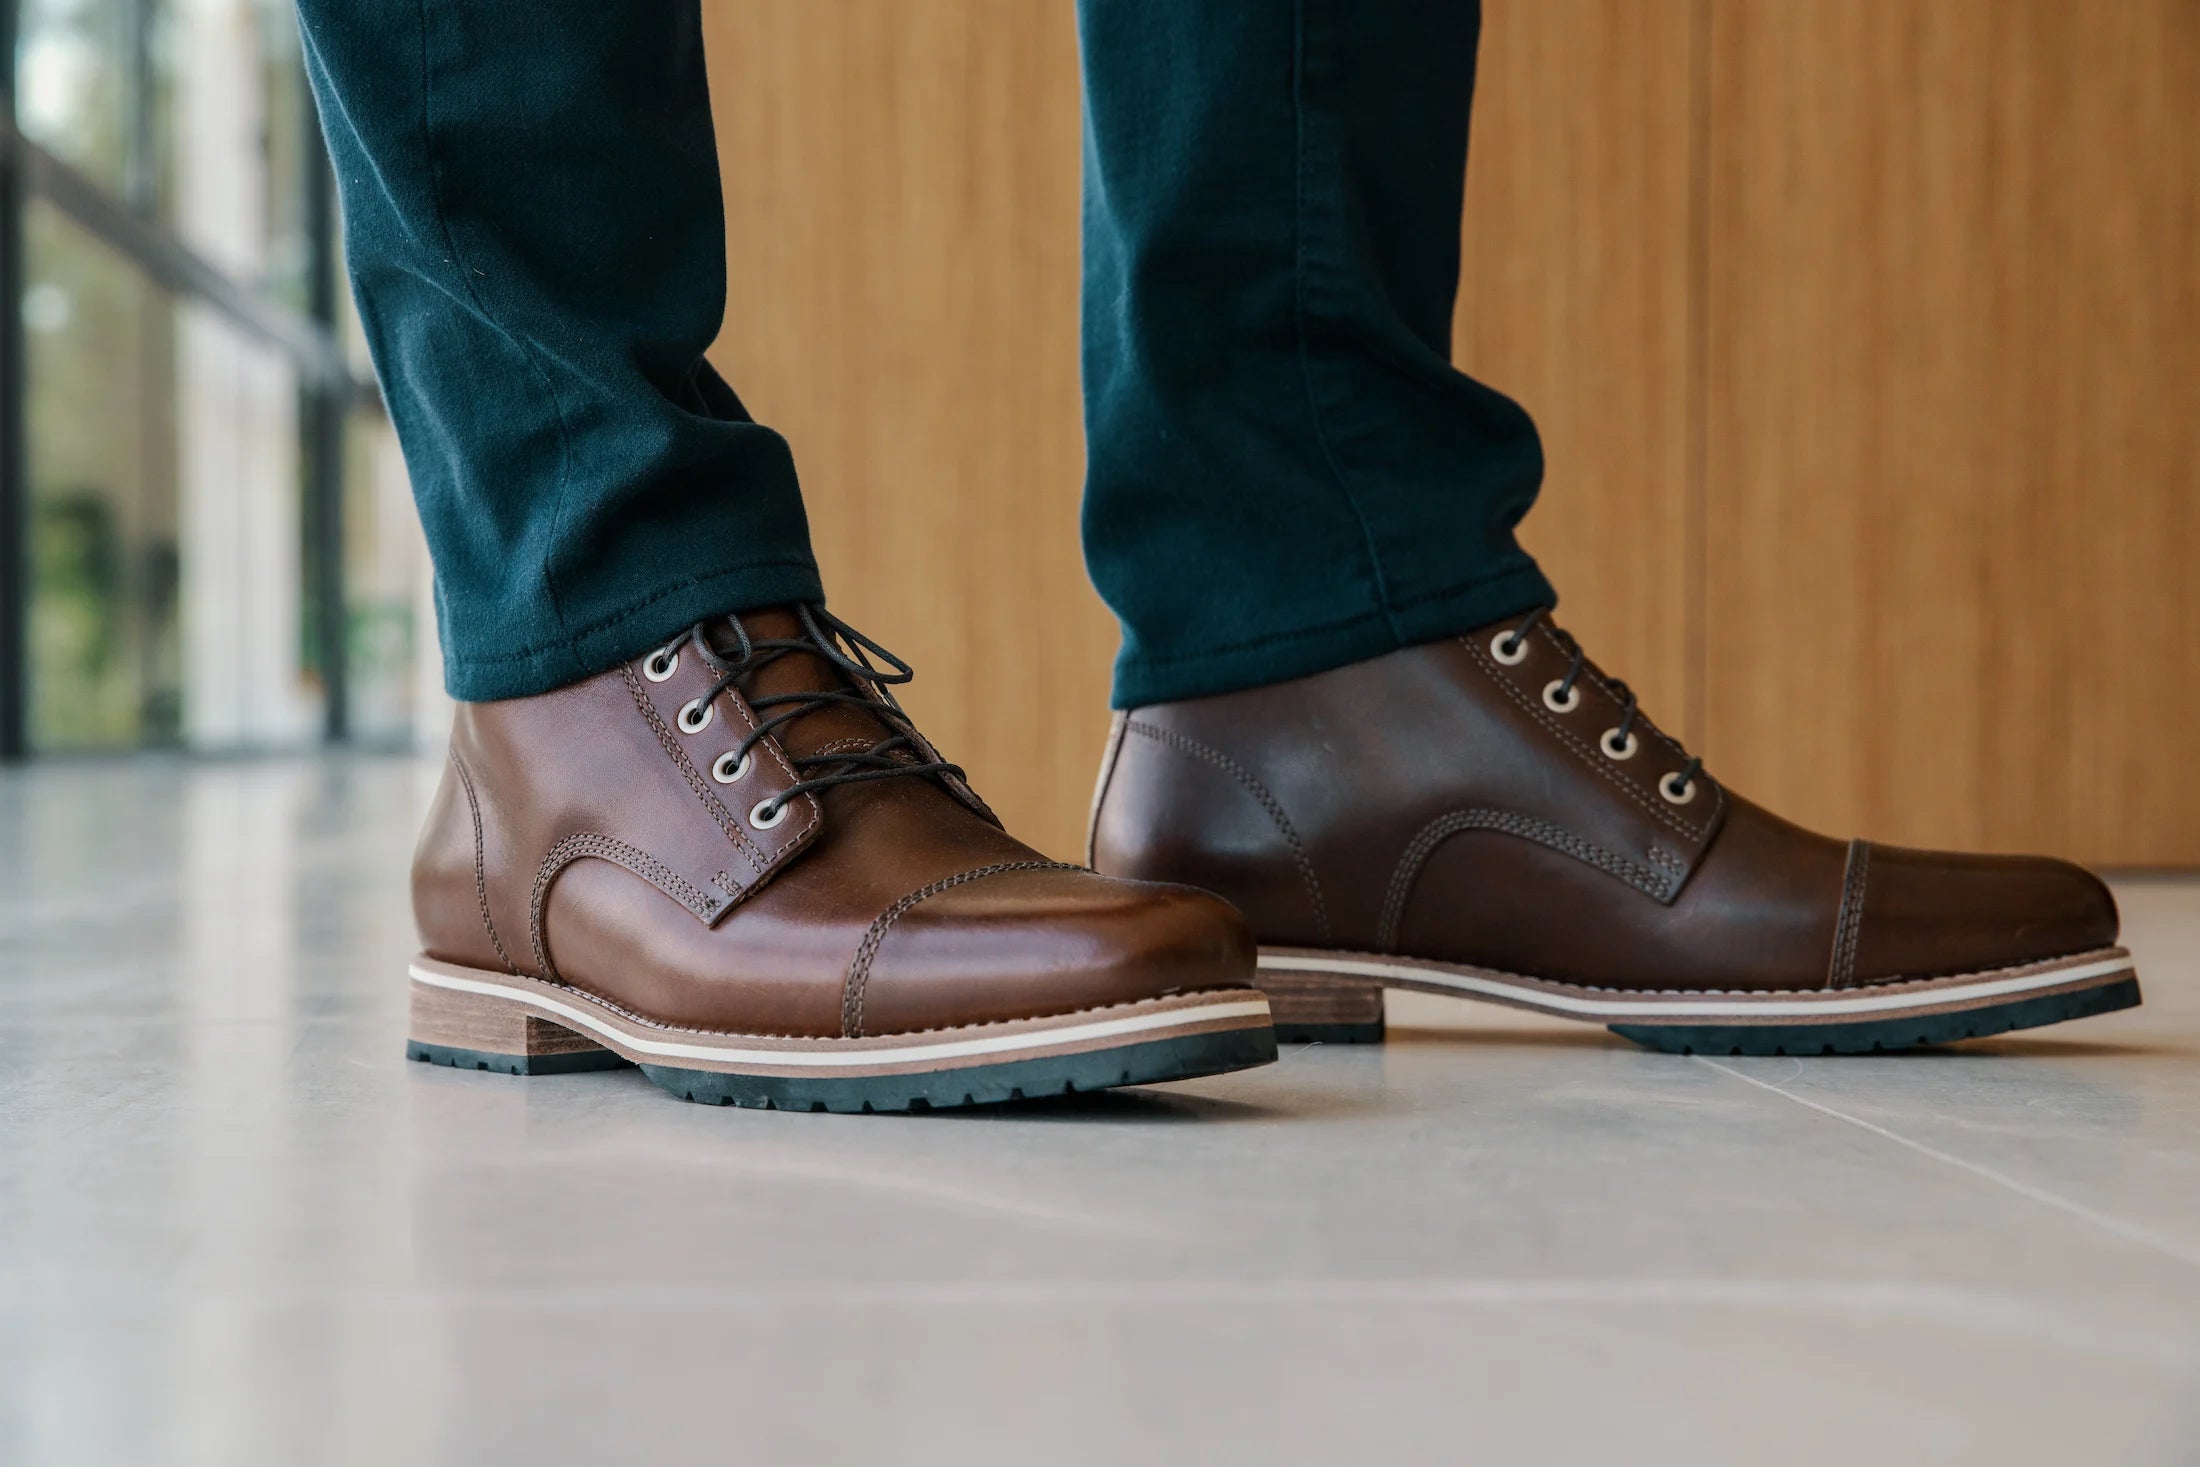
(1551,700)
(728,768)
(694,716)
(1614,750)
(1514,658)
(660,664)
(1673,797)
(761,821)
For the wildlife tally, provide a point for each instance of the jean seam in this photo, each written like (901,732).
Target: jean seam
(1319,629)
(563,481)
(1299,253)
(1524,567)
(570,642)
(1271,639)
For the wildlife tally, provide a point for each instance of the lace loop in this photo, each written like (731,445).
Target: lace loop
(823,635)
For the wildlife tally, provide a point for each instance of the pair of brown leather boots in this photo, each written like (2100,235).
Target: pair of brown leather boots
(736,863)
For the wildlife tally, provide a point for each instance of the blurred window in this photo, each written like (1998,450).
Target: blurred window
(100,351)
(192,493)
(230,123)
(76,83)
(385,588)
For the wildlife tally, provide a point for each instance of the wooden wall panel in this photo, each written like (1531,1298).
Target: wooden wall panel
(1953,490)
(1864,335)
(902,210)
(1574,298)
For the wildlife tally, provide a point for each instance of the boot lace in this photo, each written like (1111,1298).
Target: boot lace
(897,756)
(1682,780)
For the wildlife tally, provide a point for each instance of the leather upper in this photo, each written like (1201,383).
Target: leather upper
(1457,802)
(582,836)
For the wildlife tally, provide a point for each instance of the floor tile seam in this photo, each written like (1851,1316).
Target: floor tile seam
(2121,1228)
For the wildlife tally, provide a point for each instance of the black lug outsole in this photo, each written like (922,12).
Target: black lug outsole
(1152,1063)
(514,1064)
(1880,1035)
(1367,1033)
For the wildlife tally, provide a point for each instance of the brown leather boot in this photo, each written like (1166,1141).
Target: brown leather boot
(1491,817)
(736,864)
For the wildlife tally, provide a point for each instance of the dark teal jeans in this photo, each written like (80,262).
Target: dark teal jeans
(1285,472)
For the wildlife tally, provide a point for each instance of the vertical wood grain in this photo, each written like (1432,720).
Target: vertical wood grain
(1938,357)
(1953,481)
(1574,299)
(902,210)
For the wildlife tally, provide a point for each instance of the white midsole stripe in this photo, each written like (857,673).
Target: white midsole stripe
(1709,1008)
(1251,1008)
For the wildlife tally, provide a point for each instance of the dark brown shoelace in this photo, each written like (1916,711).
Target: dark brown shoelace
(897,756)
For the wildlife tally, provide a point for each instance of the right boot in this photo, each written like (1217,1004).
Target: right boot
(736,863)
(1489,816)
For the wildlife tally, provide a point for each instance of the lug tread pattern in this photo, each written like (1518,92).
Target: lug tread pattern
(1879,1036)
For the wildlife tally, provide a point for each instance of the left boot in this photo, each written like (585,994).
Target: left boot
(1492,817)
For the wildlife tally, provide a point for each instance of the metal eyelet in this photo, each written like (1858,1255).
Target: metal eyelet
(1673,796)
(660,664)
(1514,658)
(694,716)
(761,821)
(729,768)
(1551,699)
(1614,750)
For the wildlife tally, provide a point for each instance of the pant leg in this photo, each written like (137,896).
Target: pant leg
(535,237)
(1285,472)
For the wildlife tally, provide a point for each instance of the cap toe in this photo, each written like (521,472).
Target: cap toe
(1931,913)
(1031,943)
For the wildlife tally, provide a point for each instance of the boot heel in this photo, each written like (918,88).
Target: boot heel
(1312,1008)
(476,1031)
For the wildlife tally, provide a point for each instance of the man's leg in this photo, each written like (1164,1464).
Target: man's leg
(1286,471)
(683,824)
(1346,708)
(533,226)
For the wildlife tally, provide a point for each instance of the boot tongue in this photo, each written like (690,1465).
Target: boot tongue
(803,672)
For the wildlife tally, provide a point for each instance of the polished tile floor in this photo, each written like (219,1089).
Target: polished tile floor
(237,1228)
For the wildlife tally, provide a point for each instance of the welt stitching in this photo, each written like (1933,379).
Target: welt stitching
(1535,710)
(1920,980)
(1259,792)
(645,1021)
(481,879)
(619,853)
(1848,927)
(1542,832)
(859,970)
